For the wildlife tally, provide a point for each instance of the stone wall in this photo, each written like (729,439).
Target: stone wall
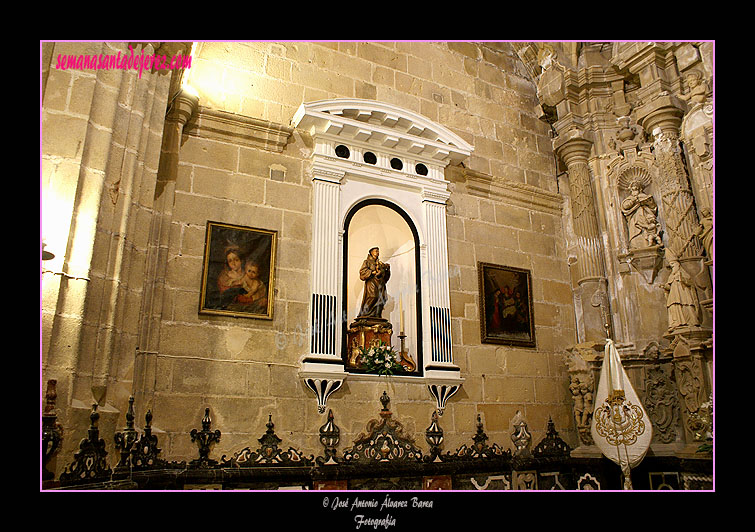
(101,141)
(128,188)
(477,90)
(498,221)
(504,209)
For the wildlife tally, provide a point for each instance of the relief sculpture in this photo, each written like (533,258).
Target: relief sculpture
(641,211)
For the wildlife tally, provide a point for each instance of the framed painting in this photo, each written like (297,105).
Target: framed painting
(239,271)
(506,315)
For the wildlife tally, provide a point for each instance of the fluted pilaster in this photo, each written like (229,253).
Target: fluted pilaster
(575,153)
(325,326)
(437,282)
(593,313)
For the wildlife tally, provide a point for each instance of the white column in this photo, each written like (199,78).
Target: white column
(322,368)
(325,324)
(437,283)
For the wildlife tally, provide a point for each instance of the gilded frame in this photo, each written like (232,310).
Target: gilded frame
(228,291)
(506,305)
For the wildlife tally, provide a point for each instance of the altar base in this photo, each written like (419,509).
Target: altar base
(366,332)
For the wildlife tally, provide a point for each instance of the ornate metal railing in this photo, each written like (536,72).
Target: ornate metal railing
(384,456)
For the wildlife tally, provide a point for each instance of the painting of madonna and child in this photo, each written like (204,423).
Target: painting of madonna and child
(506,300)
(237,278)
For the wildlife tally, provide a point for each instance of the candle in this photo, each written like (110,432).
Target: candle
(401,311)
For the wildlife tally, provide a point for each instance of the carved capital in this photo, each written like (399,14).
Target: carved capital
(573,147)
(184,106)
(664,114)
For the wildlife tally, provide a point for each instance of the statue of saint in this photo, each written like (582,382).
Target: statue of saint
(681,298)
(640,211)
(375,275)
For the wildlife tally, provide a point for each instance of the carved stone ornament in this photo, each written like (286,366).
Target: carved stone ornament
(582,386)
(705,231)
(682,303)
(661,400)
(639,209)
(645,261)
(633,172)
(701,422)
(630,136)
(690,382)
(697,89)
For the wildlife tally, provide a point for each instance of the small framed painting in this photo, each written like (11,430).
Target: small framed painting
(506,315)
(239,271)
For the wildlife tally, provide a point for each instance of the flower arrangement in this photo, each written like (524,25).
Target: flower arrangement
(380,358)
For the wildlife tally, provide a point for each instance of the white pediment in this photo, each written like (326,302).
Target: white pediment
(382,126)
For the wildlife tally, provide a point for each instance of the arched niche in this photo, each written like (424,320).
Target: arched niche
(373,158)
(380,223)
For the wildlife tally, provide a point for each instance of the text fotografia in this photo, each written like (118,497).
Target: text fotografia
(120,61)
(361,504)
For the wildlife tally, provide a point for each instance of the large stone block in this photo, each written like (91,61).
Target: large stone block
(209,153)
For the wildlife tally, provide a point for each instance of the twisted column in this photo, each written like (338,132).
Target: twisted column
(662,118)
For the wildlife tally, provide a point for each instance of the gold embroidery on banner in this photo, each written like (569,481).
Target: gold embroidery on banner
(618,420)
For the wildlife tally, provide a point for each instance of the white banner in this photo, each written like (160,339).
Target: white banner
(620,427)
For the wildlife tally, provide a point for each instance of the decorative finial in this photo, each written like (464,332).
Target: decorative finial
(385,400)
